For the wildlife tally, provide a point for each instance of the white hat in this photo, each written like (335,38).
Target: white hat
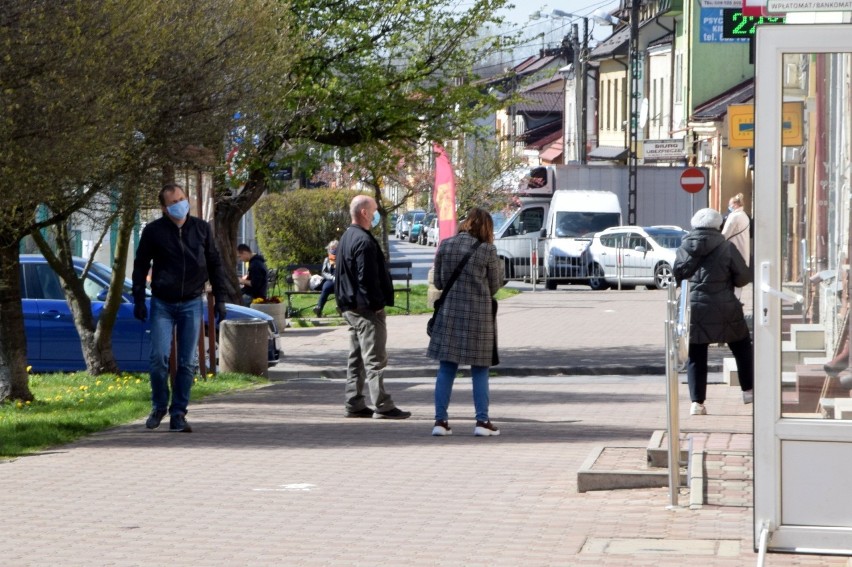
(707,218)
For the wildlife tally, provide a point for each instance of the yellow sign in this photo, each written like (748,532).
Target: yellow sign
(741,125)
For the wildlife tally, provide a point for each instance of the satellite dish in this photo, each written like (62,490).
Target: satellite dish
(643,113)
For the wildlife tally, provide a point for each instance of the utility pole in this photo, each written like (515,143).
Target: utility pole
(633,124)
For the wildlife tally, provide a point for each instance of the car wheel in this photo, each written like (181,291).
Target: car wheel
(597,281)
(663,276)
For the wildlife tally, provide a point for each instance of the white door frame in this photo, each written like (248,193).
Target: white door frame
(802,467)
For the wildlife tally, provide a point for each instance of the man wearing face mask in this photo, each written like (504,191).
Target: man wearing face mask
(180,252)
(363,288)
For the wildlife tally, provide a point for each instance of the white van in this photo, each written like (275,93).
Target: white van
(575,216)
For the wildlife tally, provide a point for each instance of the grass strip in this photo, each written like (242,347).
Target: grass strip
(70,406)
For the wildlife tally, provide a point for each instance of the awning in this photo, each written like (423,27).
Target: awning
(614,153)
(552,152)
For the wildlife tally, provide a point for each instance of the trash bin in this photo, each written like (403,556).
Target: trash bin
(243,346)
(302,279)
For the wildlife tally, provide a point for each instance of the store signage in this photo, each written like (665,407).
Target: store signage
(712,25)
(663,150)
(741,125)
(783,6)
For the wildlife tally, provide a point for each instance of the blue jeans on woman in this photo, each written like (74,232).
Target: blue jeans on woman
(444,388)
(184,317)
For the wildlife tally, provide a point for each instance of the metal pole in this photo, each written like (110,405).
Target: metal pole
(585,93)
(672,406)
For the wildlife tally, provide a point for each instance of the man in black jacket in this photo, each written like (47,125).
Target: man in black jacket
(181,254)
(255,281)
(363,288)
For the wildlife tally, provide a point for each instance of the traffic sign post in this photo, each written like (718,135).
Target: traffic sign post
(692,180)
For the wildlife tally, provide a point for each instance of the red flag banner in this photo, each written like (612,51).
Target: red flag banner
(444,194)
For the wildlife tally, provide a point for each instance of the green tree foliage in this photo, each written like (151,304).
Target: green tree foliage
(378,78)
(295,227)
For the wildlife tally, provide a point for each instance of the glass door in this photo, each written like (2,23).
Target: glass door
(803,375)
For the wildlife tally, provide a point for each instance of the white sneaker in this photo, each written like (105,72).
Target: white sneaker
(697,409)
(485,429)
(441,429)
(748,396)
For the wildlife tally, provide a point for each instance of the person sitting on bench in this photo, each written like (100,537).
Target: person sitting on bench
(327,272)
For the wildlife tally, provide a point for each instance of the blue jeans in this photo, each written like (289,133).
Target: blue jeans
(184,317)
(327,289)
(444,388)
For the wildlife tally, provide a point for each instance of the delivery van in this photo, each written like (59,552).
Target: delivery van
(574,216)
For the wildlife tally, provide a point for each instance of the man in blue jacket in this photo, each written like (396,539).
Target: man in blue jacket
(182,256)
(363,288)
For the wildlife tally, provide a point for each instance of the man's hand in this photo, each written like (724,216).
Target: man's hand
(219,309)
(140,311)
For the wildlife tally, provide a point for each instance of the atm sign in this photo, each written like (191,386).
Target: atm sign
(736,25)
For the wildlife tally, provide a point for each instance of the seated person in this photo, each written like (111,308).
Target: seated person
(256,279)
(327,272)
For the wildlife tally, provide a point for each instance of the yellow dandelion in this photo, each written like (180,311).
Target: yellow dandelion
(27,402)
(98,383)
(29,368)
(111,387)
(138,380)
(83,388)
(210,375)
(19,405)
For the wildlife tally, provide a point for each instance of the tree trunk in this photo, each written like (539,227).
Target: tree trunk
(14,382)
(229,211)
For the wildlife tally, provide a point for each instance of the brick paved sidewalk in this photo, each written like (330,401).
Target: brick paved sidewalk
(275,476)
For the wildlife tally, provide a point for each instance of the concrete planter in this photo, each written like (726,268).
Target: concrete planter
(277,311)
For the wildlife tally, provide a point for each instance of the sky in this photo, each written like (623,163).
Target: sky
(555,28)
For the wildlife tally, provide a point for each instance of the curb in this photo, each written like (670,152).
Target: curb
(282,371)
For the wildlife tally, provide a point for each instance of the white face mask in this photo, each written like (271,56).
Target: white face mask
(377,218)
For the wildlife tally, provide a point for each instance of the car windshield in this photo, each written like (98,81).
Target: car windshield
(418,217)
(573,224)
(499,220)
(667,238)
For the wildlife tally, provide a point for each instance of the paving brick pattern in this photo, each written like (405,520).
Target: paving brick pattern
(276,475)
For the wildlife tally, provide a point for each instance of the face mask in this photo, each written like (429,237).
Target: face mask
(178,210)
(730,209)
(376,219)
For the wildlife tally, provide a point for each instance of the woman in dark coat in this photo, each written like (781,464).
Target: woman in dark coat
(714,267)
(465,331)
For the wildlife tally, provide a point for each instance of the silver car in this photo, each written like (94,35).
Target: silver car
(634,255)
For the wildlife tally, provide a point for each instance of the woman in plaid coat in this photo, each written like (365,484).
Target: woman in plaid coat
(465,330)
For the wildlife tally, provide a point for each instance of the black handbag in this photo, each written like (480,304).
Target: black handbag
(430,324)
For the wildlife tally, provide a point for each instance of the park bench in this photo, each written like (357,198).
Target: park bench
(399,271)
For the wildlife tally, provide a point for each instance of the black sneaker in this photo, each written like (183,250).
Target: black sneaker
(154,419)
(366,412)
(485,429)
(178,424)
(317,311)
(394,413)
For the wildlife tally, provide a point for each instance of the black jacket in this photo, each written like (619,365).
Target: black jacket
(362,278)
(714,267)
(184,258)
(258,277)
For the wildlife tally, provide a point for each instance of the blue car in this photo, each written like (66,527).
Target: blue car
(53,344)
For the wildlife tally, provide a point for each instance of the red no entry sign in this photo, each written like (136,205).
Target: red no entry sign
(692,180)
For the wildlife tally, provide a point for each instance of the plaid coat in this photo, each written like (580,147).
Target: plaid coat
(465,330)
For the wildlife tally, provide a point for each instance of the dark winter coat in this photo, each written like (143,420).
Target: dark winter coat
(362,278)
(258,277)
(465,329)
(184,258)
(714,267)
